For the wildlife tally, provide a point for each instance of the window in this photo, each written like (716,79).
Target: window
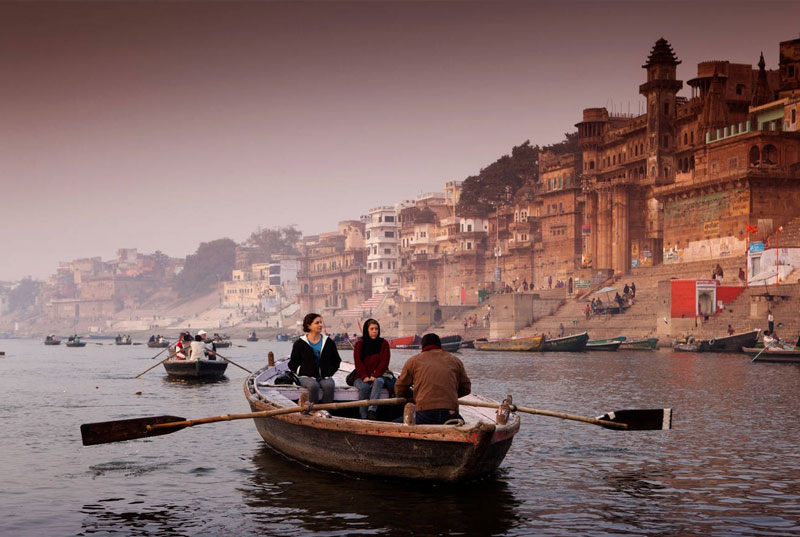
(469,228)
(691,137)
(770,154)
(666,109)
(733,163)
(387,251)
(591,164)
(367,234)
(389,234)
(794,115)
(685,138)
(791,70)
(666,140)
(388,218)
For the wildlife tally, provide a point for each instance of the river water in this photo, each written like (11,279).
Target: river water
(730,466)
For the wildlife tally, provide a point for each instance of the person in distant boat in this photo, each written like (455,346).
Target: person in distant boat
(211,354)
(770,321)
(183,346)
(152,339)
(434,379)
(730,330)
(315,359)
(197,349)
(371,357)
(769,338)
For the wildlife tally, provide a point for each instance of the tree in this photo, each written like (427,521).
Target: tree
(212,263)
(24,294)
(269,242)
(497,182)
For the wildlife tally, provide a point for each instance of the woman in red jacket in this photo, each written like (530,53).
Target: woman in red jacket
(371,357)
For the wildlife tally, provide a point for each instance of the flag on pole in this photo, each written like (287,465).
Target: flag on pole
(752,229)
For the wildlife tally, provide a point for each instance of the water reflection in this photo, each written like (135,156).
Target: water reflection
(295,499)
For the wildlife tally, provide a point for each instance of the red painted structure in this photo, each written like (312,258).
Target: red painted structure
(700,298)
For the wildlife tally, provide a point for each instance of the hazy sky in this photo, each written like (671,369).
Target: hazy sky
(160,125)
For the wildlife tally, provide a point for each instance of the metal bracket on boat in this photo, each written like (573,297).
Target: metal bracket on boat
(504,410)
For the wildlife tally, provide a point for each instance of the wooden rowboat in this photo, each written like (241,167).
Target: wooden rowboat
(733,343)
(603,345)
(791,356)
(49,341)
(522,344)
(405,342)
(76,343)
(639,344)
(158,344)
(195,369)
(445,453)
(573,343)
(451,343)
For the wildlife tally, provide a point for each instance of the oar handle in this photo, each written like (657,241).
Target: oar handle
(278,412)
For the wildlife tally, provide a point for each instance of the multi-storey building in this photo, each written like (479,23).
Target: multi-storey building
(383,256)
(333,270)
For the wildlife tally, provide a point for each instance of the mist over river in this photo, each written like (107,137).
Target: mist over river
(730,466)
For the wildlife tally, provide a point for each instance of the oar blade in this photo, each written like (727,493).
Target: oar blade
(649,419)
(107,432)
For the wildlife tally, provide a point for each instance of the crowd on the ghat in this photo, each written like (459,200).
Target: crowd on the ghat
(434,378)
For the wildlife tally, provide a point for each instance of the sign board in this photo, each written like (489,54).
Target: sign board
(583,284)
(756,247)
(497,274)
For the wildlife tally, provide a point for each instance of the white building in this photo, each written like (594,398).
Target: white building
(383,258)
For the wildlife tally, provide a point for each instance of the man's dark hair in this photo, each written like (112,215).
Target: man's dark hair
(430,339)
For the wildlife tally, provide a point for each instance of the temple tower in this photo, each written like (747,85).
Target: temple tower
(660,90)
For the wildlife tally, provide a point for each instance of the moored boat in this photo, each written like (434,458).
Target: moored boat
(123,340)
(732,343)
(405,342)
(470,343)
(158,344)
(522,344)
(345,344)
(386,449)
(603,344)
(572,343)
(252,337)
(283,337)
(791,356)
(451,343)
(221,343)
(195,369)
(639,344)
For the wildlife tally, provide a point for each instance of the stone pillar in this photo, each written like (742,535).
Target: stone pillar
(620,261)
(604,235)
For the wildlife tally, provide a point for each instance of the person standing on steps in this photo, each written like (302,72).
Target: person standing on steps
(771,321)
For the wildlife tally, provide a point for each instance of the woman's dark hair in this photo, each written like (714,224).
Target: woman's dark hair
(308,319)
(198,338)
(365,329)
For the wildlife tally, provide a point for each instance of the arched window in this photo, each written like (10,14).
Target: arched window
(754,156)
(591,164)
(770,154)
(691,162)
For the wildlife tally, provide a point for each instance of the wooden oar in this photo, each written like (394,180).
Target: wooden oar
(107,432)
(762,350)
(229,360)
(153,367)
(159,354)
(655,419)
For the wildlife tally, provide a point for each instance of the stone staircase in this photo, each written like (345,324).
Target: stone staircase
(641,319)
(367,308)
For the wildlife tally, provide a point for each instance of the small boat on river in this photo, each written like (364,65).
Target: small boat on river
(573,343)
(522,344)
(252,337)
(195,369)
(774,354)
(157,343)
(451,343)
(122,340)
(639,344)
(732,343)
(221,342)
(76,343)
(52,340)
(405,342)
(443,453)
(603,344)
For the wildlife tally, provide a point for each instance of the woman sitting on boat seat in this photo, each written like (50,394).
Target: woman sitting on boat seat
(315,359)
(371,357)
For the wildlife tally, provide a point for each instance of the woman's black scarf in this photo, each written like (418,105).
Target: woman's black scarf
(370,346)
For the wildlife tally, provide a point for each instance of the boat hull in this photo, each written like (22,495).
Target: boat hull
(789,356)
(405,342)
(523,344)
(639,344)
(157,344)
(573,343)
(252,339)
(53,342)
(732,343)
(195,369)
(602,345)
(73,344)
(443,453)
(222,344)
